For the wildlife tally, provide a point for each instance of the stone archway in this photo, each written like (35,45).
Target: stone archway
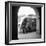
(23,12)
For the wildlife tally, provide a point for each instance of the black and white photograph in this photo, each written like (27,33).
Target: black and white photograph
(24,22)
(29,22)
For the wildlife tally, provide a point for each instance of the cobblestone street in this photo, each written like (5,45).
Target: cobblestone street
(32,35)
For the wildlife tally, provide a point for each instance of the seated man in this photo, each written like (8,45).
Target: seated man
(26,26)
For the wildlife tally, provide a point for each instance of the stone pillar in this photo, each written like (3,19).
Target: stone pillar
(38,26)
